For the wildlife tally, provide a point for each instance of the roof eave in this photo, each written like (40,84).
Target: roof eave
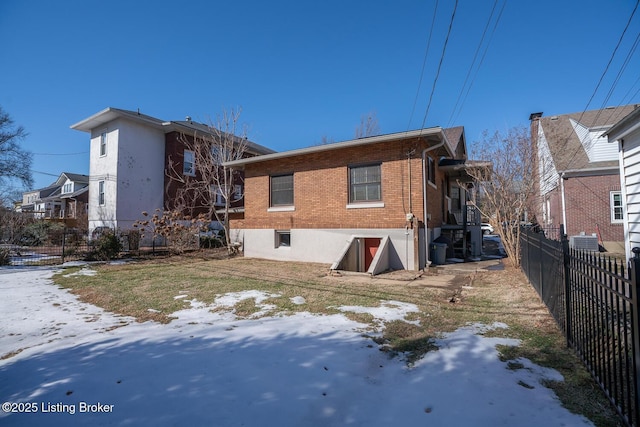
(345,144)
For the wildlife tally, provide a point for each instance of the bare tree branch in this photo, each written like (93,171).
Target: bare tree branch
(15,162)
(368,126)
(507,188)
(212,189)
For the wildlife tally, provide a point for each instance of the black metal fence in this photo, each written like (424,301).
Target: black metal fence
(594,300)
(60,246)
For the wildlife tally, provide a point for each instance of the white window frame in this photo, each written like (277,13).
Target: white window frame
(367,202)
(67,188)
(237,192)
(191,170)
(275,206)
(103,143)
(101,198)
(616,208)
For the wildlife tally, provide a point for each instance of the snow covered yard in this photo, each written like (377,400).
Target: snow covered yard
(65,362)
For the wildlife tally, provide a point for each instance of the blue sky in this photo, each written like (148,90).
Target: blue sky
(304,70)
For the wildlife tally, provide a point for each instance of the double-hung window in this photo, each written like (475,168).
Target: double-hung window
(281,187)
(103,144)
(101,193)
(189,166)
(365,184)
(617,210)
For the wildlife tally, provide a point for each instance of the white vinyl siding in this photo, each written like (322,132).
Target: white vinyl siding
(631,182)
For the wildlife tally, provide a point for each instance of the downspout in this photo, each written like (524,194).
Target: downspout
(564,210)
(424,197)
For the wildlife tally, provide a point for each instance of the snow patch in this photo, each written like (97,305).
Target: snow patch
(387,311)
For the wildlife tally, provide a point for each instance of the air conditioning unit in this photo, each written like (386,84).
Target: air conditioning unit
(584,243)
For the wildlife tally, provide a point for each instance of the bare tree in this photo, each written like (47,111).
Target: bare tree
(507,185)
(368,126)
(211,189)
(15,162)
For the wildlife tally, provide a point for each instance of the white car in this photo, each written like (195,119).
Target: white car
(486,228)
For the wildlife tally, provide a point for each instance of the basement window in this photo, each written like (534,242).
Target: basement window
(283,238)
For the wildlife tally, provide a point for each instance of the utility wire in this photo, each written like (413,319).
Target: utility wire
(60,154)
(573,157)
(444,49)
(610,59)
(484,54)
(619,75)
(424,62)
(473,62)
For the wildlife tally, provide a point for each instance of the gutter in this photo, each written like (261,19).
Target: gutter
(564,209)
(424,195)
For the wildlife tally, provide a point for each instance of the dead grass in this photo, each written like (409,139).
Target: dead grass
(497,296)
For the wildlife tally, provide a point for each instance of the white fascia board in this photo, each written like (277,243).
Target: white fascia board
(346,144)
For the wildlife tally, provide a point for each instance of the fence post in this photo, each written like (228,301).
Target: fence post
(566,262)
(634,265)
(540,267)
(64,235)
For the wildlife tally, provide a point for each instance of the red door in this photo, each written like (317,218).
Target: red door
(370,249)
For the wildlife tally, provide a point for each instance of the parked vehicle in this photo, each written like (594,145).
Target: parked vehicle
(487,228)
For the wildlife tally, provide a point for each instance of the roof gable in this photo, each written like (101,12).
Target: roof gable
(574,140)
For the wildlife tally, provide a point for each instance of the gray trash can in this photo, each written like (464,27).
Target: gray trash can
(438,253)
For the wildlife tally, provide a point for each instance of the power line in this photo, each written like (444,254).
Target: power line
(424,62)
(611,59)
(444,49)
(484,54)
(475,56)
(60,154)
(575,153)
(46,173)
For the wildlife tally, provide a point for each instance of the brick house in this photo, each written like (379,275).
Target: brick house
(578,174)
(367,204)
(129,154)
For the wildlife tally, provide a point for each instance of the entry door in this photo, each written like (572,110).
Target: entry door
(371,246)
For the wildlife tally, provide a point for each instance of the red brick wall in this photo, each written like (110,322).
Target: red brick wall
(321,189)
(587,202)
(174,151)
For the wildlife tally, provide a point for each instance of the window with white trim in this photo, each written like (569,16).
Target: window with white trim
(237,192)
(67,188)
(617,209)
(365,183)
(189,166)
(101,193)
(103,144)
(281,190)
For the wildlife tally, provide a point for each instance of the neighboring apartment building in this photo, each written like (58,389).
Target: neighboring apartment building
(65,200)
(578,174)
(368,204)
(625,136)
(129,155)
